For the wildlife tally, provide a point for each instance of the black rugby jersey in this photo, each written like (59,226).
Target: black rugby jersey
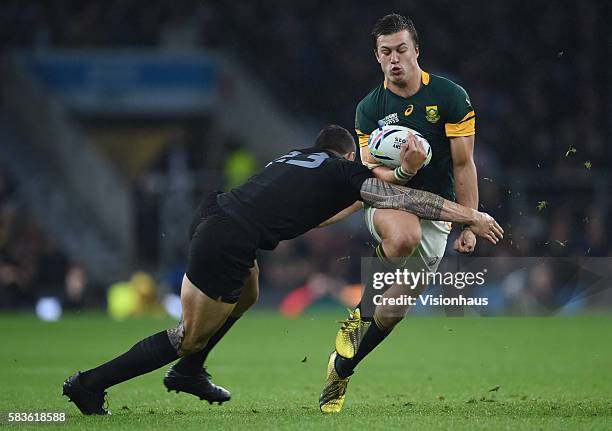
(295,193)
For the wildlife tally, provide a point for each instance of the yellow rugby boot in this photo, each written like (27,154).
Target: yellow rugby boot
(350,334)
(331,399)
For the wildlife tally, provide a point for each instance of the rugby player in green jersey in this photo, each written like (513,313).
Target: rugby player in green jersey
(441,111)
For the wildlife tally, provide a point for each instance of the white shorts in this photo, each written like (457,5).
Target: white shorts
(434,235)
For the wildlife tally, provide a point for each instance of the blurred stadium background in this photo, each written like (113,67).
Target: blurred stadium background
(117,117)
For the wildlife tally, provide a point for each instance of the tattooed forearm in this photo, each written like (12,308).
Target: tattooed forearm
(424,204)
(385,195)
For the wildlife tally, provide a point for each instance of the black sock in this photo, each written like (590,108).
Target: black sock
(192,364)
(145,356)
(379,262)
(372,338)
(366,304)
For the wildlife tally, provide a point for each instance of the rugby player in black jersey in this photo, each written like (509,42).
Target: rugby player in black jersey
(290,196)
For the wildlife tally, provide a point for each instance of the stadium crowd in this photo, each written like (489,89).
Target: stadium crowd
(32,263)
(531,69)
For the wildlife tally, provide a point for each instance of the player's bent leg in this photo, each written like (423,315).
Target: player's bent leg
(399,235)
(202,318)
(193,364)
(426,247)
(426,257)
(355,339)
(399,231)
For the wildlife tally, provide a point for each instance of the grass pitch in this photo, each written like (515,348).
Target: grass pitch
(431,373)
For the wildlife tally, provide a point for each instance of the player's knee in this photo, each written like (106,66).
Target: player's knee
(402,243)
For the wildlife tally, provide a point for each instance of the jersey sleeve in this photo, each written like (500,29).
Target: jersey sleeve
(354,174)
(460,118)
(364,123)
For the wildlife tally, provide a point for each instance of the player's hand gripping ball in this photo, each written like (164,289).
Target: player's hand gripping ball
(385,144)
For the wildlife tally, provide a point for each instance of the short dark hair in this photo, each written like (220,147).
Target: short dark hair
(335,138)
(393,23)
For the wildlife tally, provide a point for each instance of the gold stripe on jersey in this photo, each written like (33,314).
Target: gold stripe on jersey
(465,127)
(362,137)
(425,78)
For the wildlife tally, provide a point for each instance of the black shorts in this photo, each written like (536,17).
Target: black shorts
(221,252)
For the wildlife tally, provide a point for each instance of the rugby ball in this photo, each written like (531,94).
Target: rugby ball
(386,141)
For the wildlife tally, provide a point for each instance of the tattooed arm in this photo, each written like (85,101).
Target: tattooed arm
(429,206)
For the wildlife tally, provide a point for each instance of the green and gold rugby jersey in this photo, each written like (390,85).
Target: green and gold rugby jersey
(440,110)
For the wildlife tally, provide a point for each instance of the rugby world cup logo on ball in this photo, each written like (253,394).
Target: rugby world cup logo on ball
(385,144)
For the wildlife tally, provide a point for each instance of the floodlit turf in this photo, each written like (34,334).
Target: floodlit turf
(432,373)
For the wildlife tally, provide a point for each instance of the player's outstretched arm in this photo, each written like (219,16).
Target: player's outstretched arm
(343,214)
(426,205)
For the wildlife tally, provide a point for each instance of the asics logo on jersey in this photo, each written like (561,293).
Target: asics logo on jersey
(409,110)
